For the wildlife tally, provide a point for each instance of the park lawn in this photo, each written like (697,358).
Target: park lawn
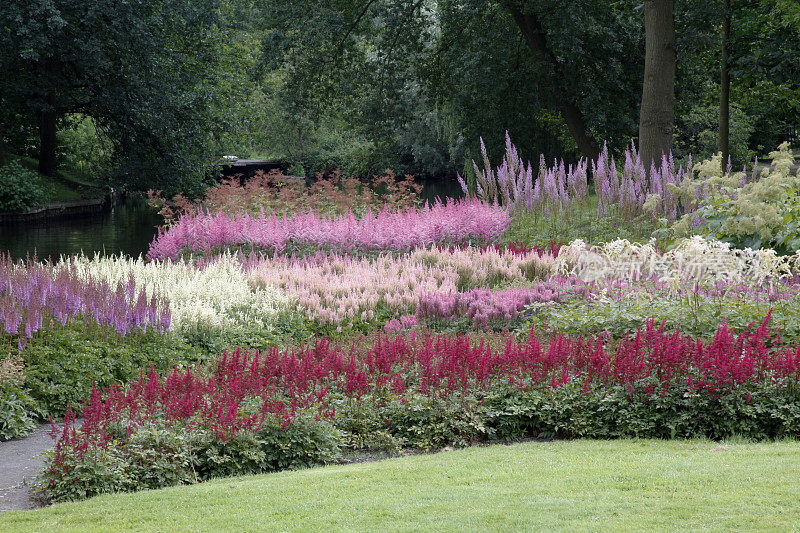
(574,485)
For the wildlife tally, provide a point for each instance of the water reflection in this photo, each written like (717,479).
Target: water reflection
(128,228)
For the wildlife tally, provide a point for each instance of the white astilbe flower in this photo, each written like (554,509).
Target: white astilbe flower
(215,296)
(692,259)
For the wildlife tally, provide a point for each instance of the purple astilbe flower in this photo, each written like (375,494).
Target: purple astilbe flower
(482,306)
(35,295)
(463,184)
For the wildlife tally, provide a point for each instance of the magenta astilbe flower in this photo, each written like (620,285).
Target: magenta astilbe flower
(467,220)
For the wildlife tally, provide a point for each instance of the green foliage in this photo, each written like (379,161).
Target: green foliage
(81,145)
(362,425)
(143,71)
(698,133)
(20,188)
(764,411)
(98,471)
(306,442)
(17,410)
(695,314)
(156,456)
(430,422)
(585,224)
(761,213)
(60,368)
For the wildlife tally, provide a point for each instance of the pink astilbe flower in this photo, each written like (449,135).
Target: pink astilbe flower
(451,222)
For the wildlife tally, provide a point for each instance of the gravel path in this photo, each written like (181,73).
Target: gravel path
(20,462)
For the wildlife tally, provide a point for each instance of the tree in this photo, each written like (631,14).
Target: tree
(657,116)
(423,80)
(140,69)
(725,86)
(554,75)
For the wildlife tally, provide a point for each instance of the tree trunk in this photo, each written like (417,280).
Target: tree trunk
(2,150)
(47,136)
(657,117)
(725,89)
(572,115)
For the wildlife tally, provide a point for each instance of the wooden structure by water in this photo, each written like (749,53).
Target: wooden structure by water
(247,168)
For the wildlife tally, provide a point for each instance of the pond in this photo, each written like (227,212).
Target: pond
(129,229)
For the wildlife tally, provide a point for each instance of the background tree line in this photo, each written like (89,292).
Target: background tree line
(364,85)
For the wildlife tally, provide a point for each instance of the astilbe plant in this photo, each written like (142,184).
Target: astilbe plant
(522,248)
(629,192)
(695,259)
(37,295)
(341,289)
(754,209)
(513,185)
(245,392)
(212,296)
(272,192)
(483,306)
(451,222)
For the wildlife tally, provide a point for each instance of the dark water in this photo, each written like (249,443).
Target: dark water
(444,188)
(128,228)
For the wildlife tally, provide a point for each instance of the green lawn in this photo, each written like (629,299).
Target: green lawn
(576,485)
(70,185)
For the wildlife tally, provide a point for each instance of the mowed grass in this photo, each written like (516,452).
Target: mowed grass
(572,485)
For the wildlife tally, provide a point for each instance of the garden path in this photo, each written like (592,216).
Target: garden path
(20,461)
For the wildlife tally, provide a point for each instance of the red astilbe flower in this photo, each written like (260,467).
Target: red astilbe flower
(241,390)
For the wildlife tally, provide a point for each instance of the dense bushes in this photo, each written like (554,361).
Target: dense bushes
(20,188)
(61,368)
(18,410)
(283,409)
(154,456)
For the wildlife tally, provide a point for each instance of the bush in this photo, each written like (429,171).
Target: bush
(17,408)
(698,133)
(60,369)
(20,188)
(158,454)
(81,147)
(749,211)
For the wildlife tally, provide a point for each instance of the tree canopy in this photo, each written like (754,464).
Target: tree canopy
(366,85)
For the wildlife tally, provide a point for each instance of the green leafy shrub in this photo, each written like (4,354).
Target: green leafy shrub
(20,188)
(697,132)
(157,455)
(17,408)
(431,422)
(362,425)
(61,368)
(766,410)
(97,471)
(746,213)
(306,442)
(81,147)
(697,315)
